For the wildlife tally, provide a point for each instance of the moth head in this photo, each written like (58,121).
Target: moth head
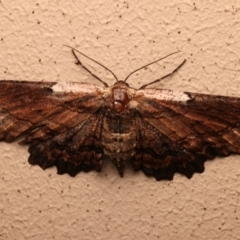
(120,97)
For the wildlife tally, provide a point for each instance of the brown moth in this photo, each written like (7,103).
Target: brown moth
(75,125)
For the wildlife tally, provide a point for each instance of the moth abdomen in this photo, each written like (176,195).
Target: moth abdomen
(118,138)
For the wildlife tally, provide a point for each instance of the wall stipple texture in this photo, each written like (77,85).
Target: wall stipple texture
(123,35)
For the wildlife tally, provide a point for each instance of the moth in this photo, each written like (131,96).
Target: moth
(75,126)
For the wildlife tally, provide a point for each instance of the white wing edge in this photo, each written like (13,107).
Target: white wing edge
(75,87)
(164,94)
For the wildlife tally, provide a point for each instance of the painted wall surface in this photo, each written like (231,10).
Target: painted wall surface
(123,35)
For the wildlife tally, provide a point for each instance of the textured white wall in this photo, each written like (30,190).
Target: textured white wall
(123,35)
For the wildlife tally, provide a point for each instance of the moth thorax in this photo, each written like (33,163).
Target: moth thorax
(119,99)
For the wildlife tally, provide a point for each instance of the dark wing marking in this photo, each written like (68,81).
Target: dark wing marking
(60,121)
(182,130)
(73,150)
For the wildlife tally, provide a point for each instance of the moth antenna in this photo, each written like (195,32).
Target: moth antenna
(149,64)
(94,75)
(80,63)
(169,74)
